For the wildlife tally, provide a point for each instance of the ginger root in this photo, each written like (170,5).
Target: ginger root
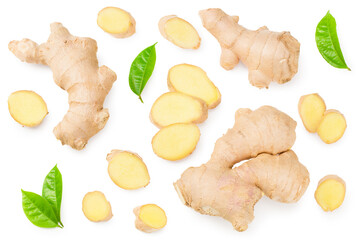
(95,207)
(27,108)
(149,218)
(75,69)
(330,192)
(332,126)
(263,137)
(127,170)
(116,21)
(179,32)
(269,56)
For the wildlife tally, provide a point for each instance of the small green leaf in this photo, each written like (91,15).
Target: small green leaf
(38,210)
(328,43)
(141,69)
(52,190)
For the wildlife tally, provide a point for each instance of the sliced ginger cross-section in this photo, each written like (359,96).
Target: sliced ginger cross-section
(149,218)
(311,110)
(332,126)
(330,192)
(95,207)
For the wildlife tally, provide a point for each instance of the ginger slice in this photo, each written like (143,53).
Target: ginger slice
(192,80)
(127,170)
(176,141)
(149,218)
(95,207)
(117,22)
(311,109)
(330,192)
(332,126)
(179,32)
(27,108)
(173,107)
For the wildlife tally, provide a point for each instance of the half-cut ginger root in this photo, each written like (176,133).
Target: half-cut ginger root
(332,126)
(179,32)
(117,22)
(95,207)
(27,108)
(127,170)
(149,218)
(330,192)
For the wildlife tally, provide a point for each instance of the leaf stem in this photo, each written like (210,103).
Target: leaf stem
(141,99)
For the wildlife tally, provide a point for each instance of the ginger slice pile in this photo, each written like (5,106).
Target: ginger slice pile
(149,218)
(95,207)
(330,192)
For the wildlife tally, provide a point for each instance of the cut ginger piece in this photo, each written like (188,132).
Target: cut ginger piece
(330,192)
(117,22)
(27,108)
(174,107)
(95,207)
(192,80)
(127,170)
(149,218)
(332,126)
(311,110)
(176,141)
(179,32)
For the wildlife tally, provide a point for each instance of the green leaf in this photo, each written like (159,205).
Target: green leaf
(38,210)
(141,69)
(52,190)
(328,43)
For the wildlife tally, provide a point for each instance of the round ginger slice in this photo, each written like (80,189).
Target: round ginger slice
(192,80)
(330,192)
(176,141)
(174,107)
(311,109)
(117,22)
(27,108)
(149,218)
(332,126)
(127,170)
(95,207)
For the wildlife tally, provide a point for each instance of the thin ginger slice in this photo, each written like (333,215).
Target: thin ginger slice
(332,126)
(330,192)
(95,207)
(174,107)
(116,21)
(149,218)
(127,170)
(192,80)
(179,32)
(311,110)
(176,141)
(27,108)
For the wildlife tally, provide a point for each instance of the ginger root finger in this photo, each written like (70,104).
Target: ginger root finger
(311,109)
(332,126)
(116,21)
(95,207)
(149,218)
(179,32)
(176,141)
(330,192)
(192,80)
(173,107)
(27,108)
(127,170)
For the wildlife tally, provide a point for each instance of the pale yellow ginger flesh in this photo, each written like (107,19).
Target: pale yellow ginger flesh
(192,80)
(174,107)
(269,56)
(179,32)
(127,170)
(330,192)
(95,207)
(116,21)
(27,108)
(149,218)
(176,141)
(332,126)
(75,69)
(263,137)
(311,110)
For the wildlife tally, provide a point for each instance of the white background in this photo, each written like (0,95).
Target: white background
(27,154)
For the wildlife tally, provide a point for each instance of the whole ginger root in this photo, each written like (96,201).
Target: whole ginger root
(75,69)
(218,188)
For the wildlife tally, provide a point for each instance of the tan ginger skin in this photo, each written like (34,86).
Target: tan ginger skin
(269,56)
(218,189)
(75,69)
